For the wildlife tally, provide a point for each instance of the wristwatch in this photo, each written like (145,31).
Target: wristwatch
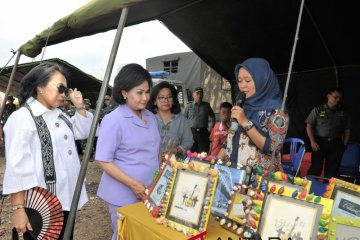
(248,125)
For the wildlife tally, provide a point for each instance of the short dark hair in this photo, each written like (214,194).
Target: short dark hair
(226,105)
(175,109)
(39,76)
(335,89)
(130,76)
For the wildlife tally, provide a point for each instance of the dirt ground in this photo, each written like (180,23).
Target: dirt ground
(92,221)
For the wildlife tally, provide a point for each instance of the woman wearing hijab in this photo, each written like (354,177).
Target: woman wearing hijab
(262,123)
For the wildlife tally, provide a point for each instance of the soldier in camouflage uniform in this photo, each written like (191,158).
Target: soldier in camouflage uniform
(9,108)
(87,104)
(68,108)
(107,107)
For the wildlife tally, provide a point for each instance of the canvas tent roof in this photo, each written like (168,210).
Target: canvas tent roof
(87,84)
(224,33)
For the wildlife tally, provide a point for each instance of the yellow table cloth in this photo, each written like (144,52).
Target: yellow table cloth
(137,224)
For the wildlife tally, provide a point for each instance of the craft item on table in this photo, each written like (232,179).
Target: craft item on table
(281,183)
(154,199)
(187,206)
(343,228)
(200,161)
(338,182)
(45,214)
(228,177)
(346,198)
(242,214)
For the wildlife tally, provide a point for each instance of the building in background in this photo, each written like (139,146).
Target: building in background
(193,72)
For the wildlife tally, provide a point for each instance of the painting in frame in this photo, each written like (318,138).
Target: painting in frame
(190,200)
(298,221)
(346,202)
(158,188)
(228,177)
(344,228)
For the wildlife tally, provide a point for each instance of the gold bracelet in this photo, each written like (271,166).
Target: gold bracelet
(17,207)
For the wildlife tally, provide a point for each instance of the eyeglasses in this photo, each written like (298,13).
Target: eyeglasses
(62,89)
(163,99)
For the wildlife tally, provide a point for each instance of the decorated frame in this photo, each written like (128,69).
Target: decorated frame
(299,219)
(346,202)
(344,228)
(333,182)
(228,177)
(154,199)
(242,215)
(188,205)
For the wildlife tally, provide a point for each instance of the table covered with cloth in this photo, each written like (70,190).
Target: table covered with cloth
(137,223)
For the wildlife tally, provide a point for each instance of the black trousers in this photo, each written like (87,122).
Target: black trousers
(330,154)
(201,140)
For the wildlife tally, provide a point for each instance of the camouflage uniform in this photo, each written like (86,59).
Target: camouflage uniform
(8,110)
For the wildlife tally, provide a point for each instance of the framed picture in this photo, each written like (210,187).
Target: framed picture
(333,182)
(286,217)
(228,177)
(188,207)
(157,190)
(238,207)
(344,228)
(201,164)
(281,183)
(346,202)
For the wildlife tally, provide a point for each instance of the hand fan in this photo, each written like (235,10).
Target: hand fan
(45,214)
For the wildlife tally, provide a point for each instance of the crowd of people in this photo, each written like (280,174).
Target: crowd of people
(140,124)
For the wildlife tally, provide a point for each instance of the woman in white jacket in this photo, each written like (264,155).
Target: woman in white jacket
(40,142)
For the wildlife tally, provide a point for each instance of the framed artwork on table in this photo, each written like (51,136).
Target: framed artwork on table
(286,217)
(334,182)
(344,228)
(238,207)
(228,177)
(201,164)
(346,202)
(156,193)
(188,206)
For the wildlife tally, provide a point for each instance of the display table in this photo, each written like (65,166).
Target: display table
(139,224)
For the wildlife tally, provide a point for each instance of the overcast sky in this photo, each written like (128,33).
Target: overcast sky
(21,20)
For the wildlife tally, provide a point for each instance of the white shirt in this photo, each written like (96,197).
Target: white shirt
(24,166)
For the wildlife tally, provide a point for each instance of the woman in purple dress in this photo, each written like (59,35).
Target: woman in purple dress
(128,146)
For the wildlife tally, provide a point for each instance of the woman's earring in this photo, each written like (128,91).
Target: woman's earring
(125,97)
(41,91)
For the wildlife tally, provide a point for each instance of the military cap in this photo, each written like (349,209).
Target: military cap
(87,101)
(107,97)
(198,89)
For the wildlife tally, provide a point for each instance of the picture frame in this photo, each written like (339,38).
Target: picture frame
(161,184)
(346,202)
(228,177)
(333,182)
(344,228)
(281,183)
(201,164)
(300,218)
(242,215)
(188,205)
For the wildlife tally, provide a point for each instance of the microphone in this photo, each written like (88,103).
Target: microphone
(239,101)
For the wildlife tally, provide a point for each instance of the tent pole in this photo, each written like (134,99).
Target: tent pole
(9,83)
(267,178)
(293,54)
(89,144)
